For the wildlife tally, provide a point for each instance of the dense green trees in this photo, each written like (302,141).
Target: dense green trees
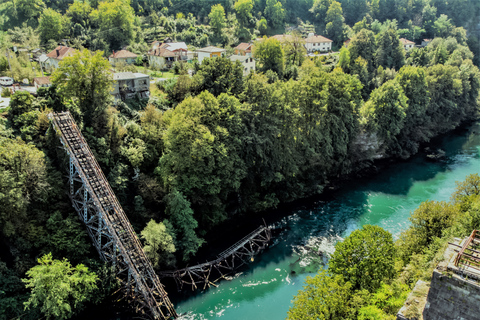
(270,55)
(58,288)
(85,78)
(365,258)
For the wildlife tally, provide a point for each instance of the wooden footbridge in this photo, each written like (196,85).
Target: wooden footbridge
(242,252)
(108,226)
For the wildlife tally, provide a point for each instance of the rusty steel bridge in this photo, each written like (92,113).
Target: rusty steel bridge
(108,225)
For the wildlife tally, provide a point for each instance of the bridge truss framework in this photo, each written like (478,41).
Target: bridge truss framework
(108,225)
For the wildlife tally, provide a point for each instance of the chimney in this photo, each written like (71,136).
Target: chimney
(113,53)
(58,52)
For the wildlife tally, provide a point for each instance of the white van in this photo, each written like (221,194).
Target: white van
(6,81)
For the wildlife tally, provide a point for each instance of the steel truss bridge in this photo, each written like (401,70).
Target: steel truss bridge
(108,226)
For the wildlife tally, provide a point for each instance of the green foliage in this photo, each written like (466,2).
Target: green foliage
(334,20)
(243,9)
(115,19)
(184,224)
(323,297)
(384,112)
(390,52)
(270,55)
(86,79)
(428,222)
(221,75)
(217,18)
(58,288)
(53,26)
(274,13)
(22,181)
(159,244)
(365,258)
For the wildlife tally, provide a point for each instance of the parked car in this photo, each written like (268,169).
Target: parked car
(6,81)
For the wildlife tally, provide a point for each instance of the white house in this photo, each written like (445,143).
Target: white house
(39,82)
(210,52)
(317,43)
(128,85)
(122,55)
(407,44)
(163,55)
(247,62)
(57,55)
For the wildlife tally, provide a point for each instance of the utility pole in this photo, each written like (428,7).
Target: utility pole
(8,57)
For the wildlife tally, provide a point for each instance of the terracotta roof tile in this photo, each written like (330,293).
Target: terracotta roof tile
(317,39)
(61,52)
(405,41)
(42,80)
(161,52)
(243,46)
(122,54)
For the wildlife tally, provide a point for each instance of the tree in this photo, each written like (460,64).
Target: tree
(180,215)
(159,244)
(323,297)
(217,18)
(79,13)
(58,288)
(115,19)
(52,26)
(363,45)
(429,15)
(334,20)
(365,258)
(467,189)
(86,79)
(221,75)
(443,26)
(274,13)
(319,11)
(23,180)
(384,112)
(270,55)
(428,222)
(390,52)
(244,11)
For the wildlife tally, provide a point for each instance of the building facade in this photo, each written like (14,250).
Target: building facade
(129,85)
(248,63)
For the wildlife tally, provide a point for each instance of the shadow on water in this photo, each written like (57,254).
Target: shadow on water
(308,229)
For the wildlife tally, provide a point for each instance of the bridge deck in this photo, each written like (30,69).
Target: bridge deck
(127,252)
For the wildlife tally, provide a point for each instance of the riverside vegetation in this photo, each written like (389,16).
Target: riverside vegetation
(217,144)
(369,276)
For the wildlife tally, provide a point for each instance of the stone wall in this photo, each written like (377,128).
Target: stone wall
(452,297)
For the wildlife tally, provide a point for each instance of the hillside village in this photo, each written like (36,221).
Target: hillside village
(164,55)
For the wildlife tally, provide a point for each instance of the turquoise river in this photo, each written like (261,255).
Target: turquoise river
(265,288)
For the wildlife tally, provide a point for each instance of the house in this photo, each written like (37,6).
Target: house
(347,42)
(407,44)
(122,55)
(314,43)
(40,82)
(247,62)
(425,42)
(244,49)
(210,52)
(57,55)
(283,37)
(129,85)
(163,55)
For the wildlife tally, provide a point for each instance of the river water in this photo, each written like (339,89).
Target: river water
(265,288)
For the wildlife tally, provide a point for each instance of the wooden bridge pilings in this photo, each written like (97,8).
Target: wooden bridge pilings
(242,252)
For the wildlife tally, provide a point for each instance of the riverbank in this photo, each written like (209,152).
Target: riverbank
(265,288)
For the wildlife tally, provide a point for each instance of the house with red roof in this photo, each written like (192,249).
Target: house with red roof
(57,55)
(165,54)
(314,43)
(244,49)
(407,44)
(39,82)
(122,56)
